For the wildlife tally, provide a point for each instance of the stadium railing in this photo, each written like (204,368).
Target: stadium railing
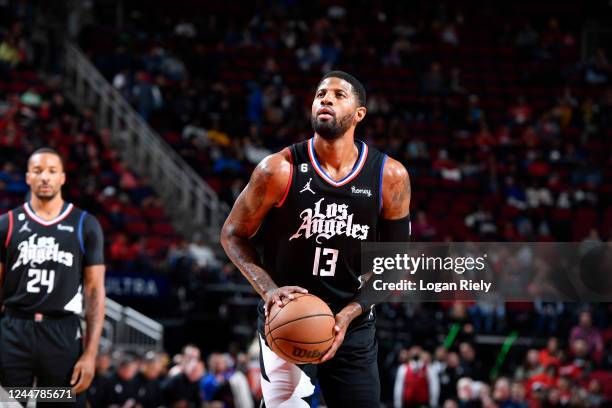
(128,330)
(192,204)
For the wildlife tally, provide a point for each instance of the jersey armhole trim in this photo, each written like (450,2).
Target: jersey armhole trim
(10,229)
(380,184)
(288,187)
(80,231)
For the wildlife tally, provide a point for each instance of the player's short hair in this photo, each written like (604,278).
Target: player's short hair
(358,88)
(47,150)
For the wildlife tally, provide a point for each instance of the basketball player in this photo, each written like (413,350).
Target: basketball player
(318,200)
(51,260)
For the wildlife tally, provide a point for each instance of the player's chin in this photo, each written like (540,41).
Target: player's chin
(45,195)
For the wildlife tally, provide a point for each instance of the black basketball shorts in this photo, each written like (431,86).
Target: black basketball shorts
(46,350)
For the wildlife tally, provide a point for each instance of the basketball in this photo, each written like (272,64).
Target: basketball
(302,330)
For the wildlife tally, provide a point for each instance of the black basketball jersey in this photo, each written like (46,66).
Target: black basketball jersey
(43,260)
(313,238)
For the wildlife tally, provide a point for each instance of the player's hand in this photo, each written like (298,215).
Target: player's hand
(342,323)
(277,295)
(83,373)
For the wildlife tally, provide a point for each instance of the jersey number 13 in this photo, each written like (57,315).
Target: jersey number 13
(329,263)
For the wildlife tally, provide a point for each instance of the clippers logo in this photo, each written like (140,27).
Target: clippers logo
(333,220)
(37,250)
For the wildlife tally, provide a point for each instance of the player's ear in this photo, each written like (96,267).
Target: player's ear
(63,178)
(360,113)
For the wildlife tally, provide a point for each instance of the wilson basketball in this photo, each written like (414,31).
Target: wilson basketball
(302,330)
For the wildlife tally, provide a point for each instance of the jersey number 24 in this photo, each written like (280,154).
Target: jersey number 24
(38,278)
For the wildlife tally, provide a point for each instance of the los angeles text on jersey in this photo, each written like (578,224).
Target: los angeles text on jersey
(325,224)
(37,250)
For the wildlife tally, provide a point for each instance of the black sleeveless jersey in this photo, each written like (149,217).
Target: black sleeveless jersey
(313,238)
(43,260)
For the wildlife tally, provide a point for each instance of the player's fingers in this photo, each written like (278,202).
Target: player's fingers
(330,353)
(297,289)
(76,374)
(83,383)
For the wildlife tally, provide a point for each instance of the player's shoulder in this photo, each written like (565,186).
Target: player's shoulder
(274,166)
(85,217)
(6,214)
(394,171)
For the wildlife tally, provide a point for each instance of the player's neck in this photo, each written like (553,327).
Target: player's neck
(336,154)
(47,209)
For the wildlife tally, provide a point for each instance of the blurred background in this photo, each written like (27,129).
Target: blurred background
(500,111)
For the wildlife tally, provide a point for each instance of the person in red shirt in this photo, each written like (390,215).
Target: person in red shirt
(550,355)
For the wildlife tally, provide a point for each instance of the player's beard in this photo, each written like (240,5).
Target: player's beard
(47,196)
(331,129)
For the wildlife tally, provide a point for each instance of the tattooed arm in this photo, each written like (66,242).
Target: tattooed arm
(396,206)
(266,189)
(396,191)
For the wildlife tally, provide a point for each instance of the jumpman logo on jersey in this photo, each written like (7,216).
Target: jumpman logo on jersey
(25,227)
(307,187)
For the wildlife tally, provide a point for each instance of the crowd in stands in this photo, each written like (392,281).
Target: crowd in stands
(153,380)
(565,372)
(504,130)
(570,372)
(34,112)
(501,125)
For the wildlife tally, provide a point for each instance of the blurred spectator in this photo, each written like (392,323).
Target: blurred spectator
(449,377)
(190,353)
(121,387)
(518,395)
(99,385)
(149,381)
(591,335)
(530,367)
(215,385)
(146,95)
(422,228)
(548,314)
(182,390)
(413,381)
(433,82)
(471,366)
(551,354)
(599,69)
(520,112)
(203,255)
